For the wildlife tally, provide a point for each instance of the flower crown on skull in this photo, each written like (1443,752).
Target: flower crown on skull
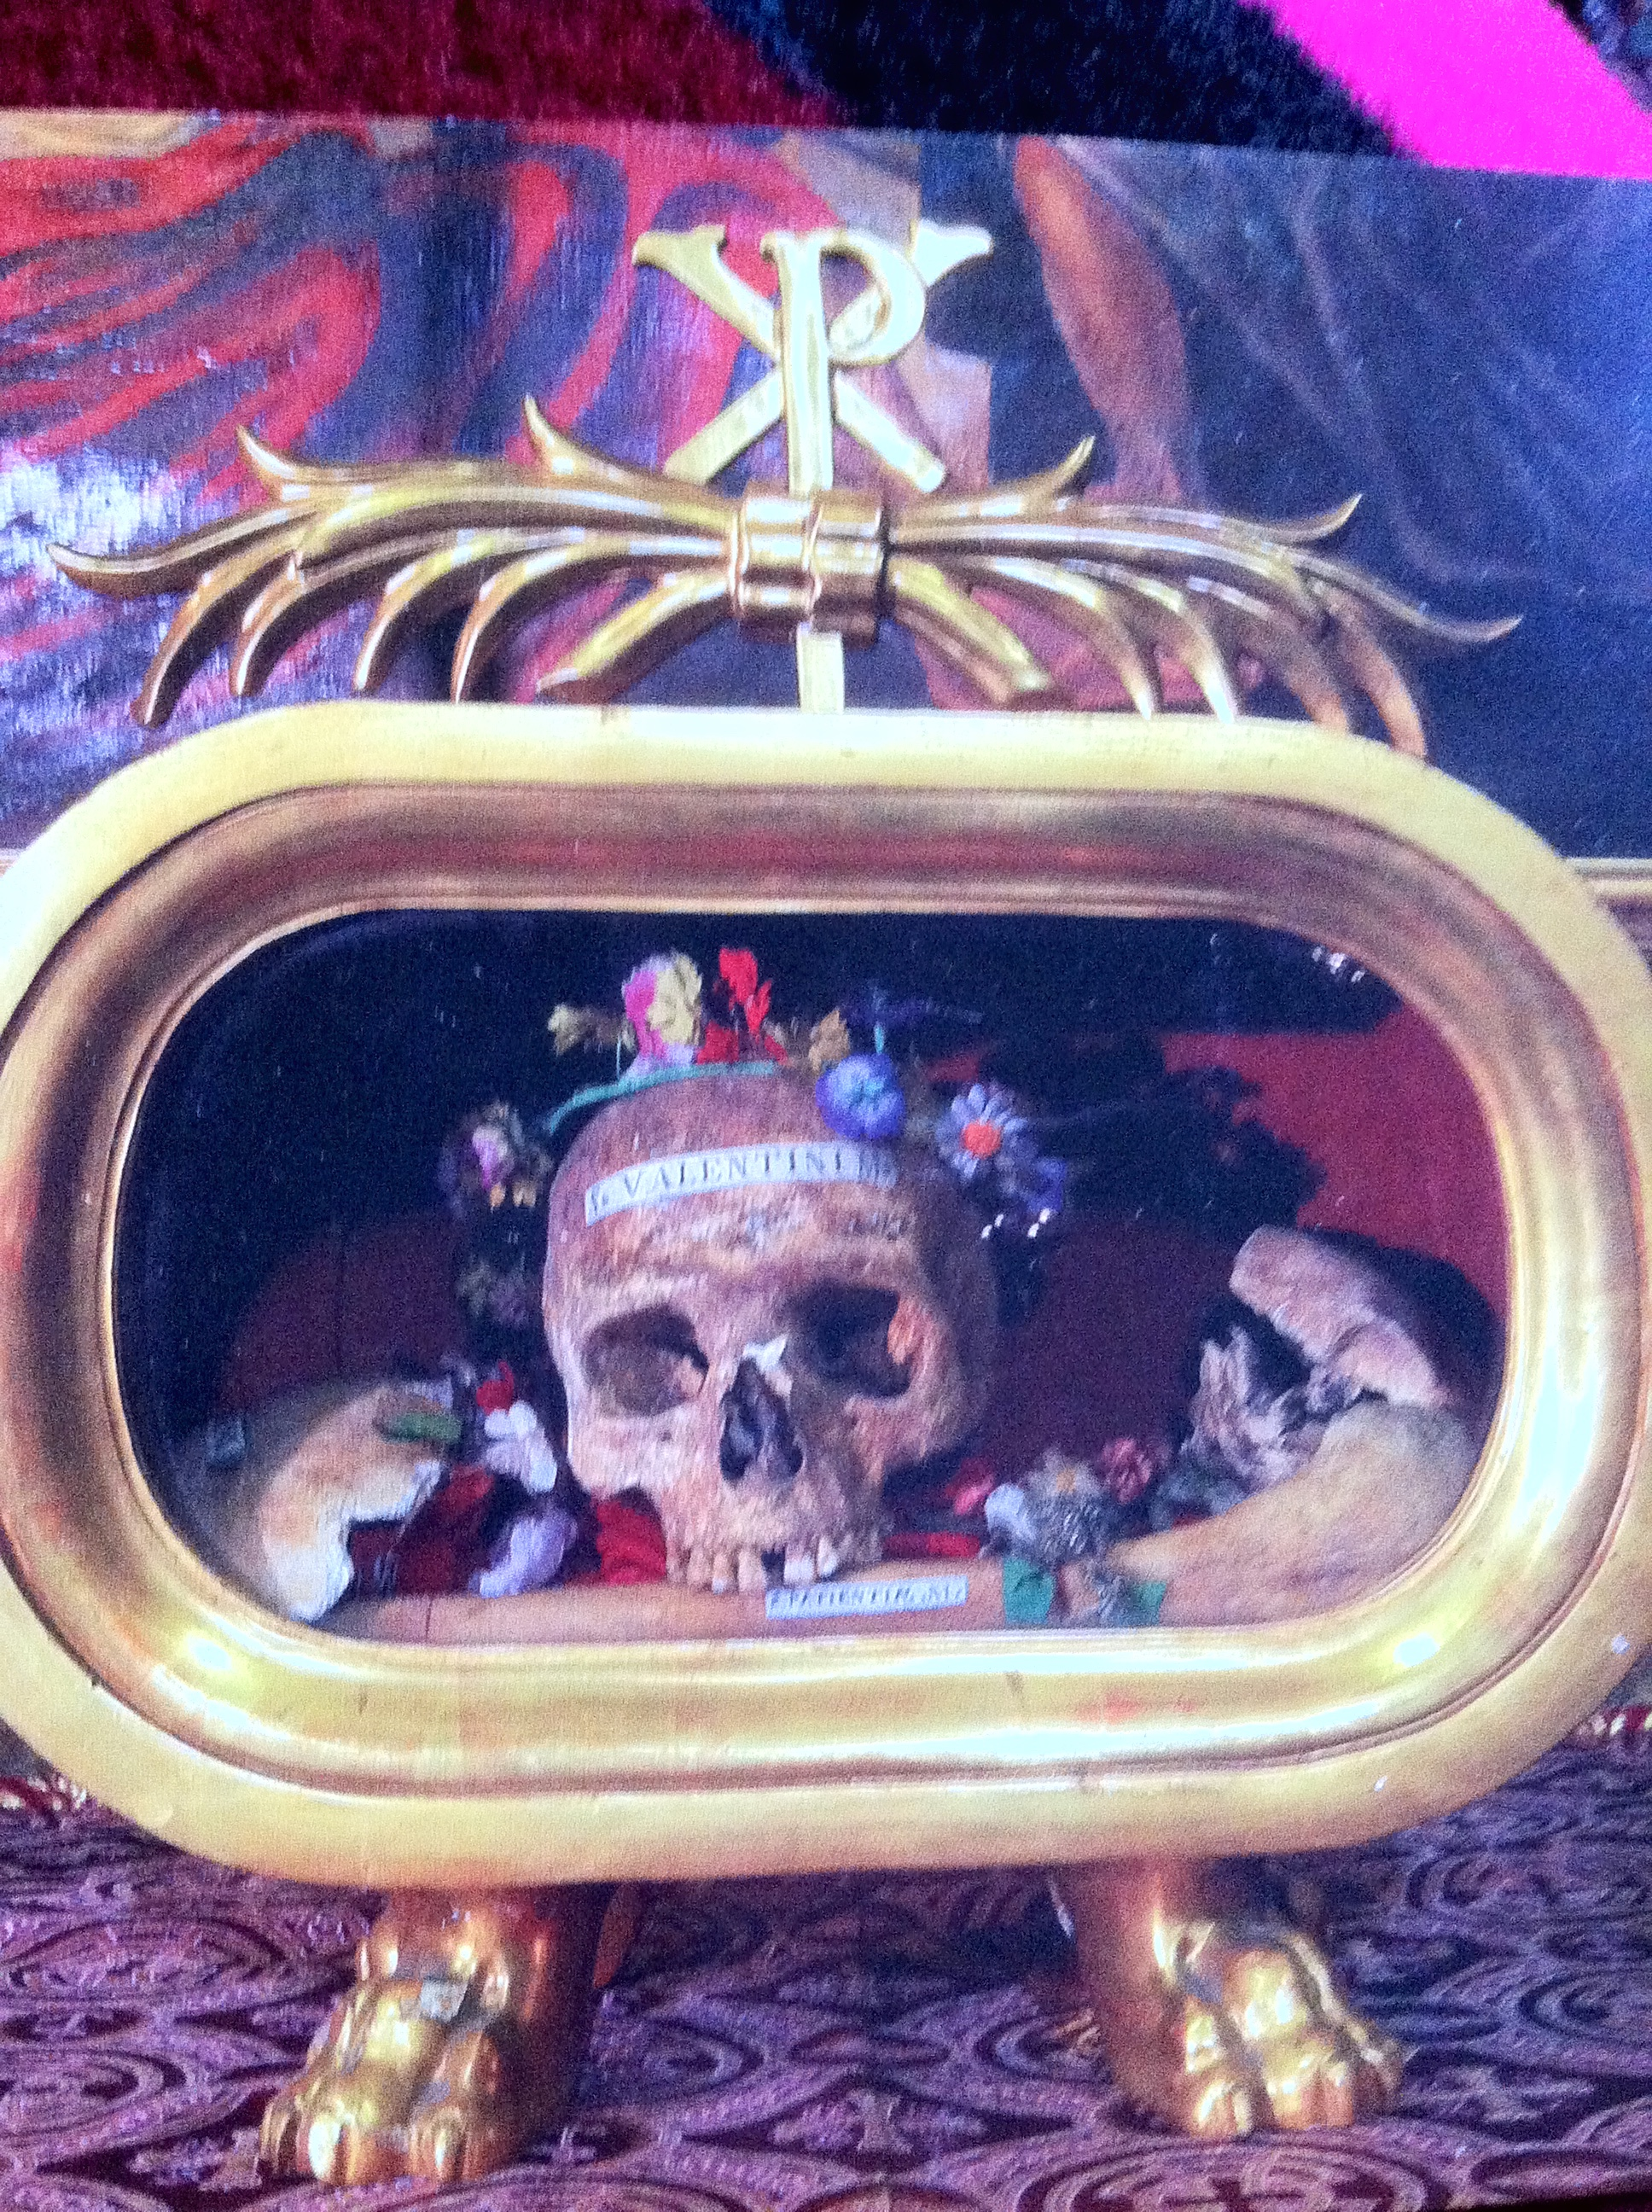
(496,1167)
(675,1027)
(1131,1135)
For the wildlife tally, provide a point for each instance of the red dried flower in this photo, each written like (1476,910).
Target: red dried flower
(718,1047)
(738,969)
(498,1393)
(630,1542)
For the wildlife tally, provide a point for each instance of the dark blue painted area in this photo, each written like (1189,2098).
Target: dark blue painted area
(1473,354)
(613,422)
(437,243)
(997,308)
(725,665)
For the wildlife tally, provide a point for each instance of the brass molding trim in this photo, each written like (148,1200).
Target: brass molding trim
(184,1705)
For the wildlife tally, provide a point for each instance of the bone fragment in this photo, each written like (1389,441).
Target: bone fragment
(1348,1314)
(1245,1429)
(1382,1481)
(1350,1469)
(314,1465)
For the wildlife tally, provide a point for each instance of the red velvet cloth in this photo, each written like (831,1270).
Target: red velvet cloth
(648,60)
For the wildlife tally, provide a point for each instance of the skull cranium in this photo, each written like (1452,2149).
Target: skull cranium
(755,1322)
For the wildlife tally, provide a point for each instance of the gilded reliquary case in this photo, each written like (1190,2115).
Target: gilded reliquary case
(644,1284)
(588,1729)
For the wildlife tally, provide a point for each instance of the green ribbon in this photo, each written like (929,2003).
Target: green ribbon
(604,1094)
(1029,1592)
(417,1426)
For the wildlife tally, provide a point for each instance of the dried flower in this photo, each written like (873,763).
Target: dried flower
(490,1148)
(738,970)
(984,1139)
(496,1393)
(663,1002)
(1127,1469)
(981,1124)
(829,1041)
(1038,1185)
(490,1161)
(529,1552)
(572,1026)
(518,1446)
(861,1097)
(1058,1512)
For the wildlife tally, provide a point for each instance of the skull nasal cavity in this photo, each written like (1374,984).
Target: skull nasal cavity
(757,1429)
(840,1333)
(644,1362)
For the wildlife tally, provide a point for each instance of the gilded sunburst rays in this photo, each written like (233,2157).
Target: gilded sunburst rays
(1138,586)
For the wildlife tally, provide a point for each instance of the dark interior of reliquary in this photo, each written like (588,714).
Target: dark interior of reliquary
(567,1277)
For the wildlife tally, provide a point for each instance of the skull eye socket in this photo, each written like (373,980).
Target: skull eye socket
(644,1362)
(840,1333)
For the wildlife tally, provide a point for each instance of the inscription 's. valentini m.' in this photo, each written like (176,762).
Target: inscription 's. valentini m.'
(656,1183)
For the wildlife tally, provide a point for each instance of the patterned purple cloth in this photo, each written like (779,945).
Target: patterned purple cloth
(856,2042)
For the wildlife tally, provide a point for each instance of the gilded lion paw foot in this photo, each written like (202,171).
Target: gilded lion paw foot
(461,2040)
(391,2089)
(1251,2033)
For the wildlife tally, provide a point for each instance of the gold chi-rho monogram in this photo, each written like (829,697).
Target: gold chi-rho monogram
(808,390)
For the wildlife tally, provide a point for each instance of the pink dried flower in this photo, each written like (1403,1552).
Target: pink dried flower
(1126,1468)
(662,1004)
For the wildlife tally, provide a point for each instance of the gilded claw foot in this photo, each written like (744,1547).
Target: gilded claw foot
(461,2040)
(1218,2016)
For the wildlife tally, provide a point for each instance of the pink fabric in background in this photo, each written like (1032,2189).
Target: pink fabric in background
(1487,84)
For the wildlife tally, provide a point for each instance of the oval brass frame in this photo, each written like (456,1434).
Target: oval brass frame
(184,1705)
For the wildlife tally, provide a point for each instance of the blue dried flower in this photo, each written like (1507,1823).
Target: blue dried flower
(862,1097)
(984,1139)
(1039,1185)
(981,1133)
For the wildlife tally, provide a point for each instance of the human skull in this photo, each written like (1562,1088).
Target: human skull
(756,1321)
